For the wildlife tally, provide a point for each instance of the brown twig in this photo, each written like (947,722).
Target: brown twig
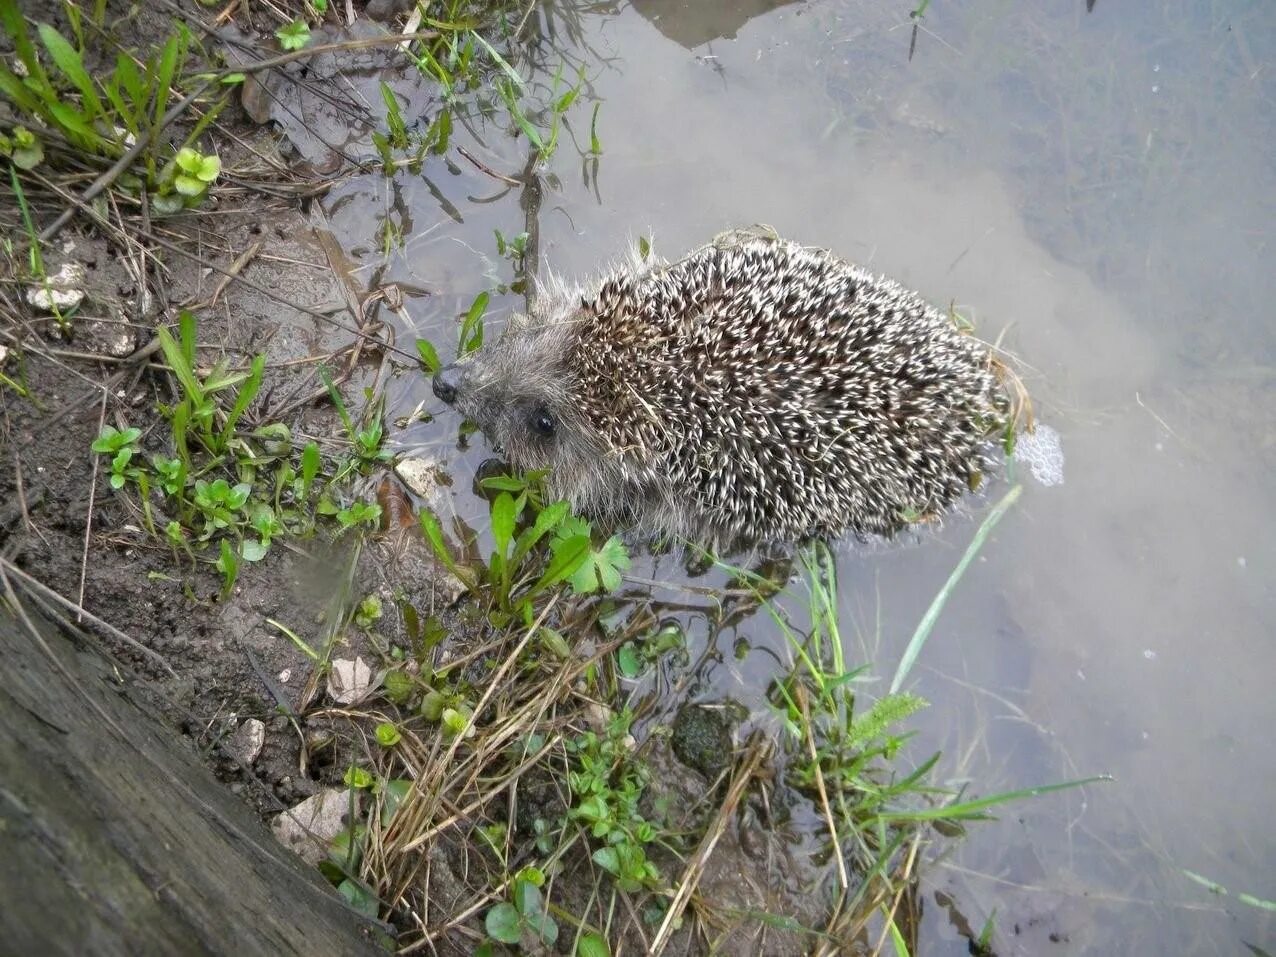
(258,65)
(487,169)
(88,518)
(235,269)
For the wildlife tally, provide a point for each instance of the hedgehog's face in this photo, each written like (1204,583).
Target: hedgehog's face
(518,392)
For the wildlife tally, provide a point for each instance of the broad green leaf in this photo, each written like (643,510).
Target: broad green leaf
(359,896)
(503,518)
(569,554)
(188,185)
(503,923)
(209,168)
(627,660)
(528,899)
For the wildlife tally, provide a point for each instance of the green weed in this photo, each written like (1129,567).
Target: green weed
(294,35)
(120,446)
(606,785)
(228,487)
(524,920)
(104,113)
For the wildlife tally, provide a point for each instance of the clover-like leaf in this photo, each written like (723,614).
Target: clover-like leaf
(188,185)
(387,735)
(188,160)
(294,36)
(209,168)
(601,570)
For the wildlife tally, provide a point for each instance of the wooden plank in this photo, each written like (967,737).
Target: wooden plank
(116,840)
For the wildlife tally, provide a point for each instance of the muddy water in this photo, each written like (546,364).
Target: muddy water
(1101,189)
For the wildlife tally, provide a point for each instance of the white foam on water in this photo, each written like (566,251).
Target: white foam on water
(1042,451)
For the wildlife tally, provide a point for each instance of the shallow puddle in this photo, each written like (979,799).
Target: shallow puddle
(1101,189)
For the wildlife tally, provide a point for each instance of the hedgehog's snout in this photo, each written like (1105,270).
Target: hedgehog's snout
(447,383)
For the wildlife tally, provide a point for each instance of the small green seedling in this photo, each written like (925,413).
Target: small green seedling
(360,513)
(635,657)
(607,784)
(228,565)
(293,36)
(219,503)
(23,150)
(387,735)
(121,446)
(185,181)
(526,919)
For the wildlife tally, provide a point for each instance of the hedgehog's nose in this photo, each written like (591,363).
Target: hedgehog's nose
(446,383)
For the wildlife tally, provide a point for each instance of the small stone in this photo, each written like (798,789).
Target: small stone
(597,716)
(246,743)
(114,337)
(63,290)
(349,682)
(421,476)
(383,10)
(309,827)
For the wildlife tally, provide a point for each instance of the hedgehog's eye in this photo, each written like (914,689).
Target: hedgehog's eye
(543,424)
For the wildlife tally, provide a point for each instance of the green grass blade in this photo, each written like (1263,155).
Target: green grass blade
(176,359)
(164,77)
(335,396)
(927,623)
(595,146)
(247,392)
(1258,902)
(68,61)
(434,535)
(37,261)
(207,119)
(16,27)
(18,93)
(501,62)
(897,936)
(511,103)
(978,807)
(122,110)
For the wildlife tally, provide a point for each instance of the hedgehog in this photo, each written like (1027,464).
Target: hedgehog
(754,391)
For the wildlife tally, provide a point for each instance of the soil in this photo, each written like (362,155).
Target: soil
(212,660)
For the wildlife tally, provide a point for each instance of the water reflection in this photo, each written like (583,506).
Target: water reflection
(692,24)
(1101,189)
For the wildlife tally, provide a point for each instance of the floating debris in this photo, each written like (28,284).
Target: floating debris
(1042,451)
